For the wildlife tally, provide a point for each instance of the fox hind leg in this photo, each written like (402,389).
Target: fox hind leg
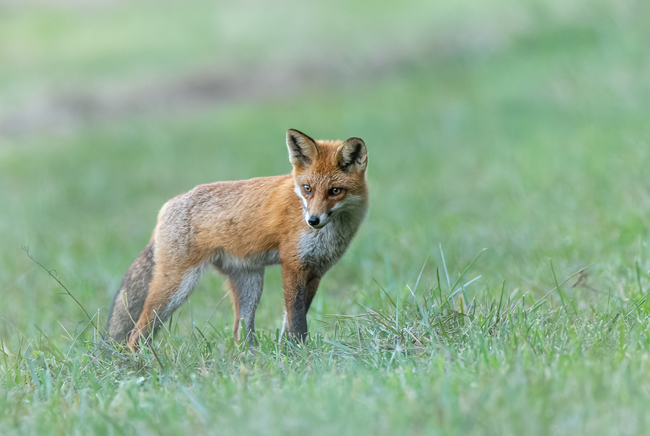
(245,291)
(169,288)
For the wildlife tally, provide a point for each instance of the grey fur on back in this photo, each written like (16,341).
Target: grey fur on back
(132,294)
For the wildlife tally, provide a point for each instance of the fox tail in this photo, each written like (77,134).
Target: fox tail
(129,299)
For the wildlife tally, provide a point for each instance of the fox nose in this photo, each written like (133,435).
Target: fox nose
(313,220)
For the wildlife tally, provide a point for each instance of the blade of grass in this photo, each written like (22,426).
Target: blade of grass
(417,282)
(385,293)
(444,265)
(467,269)
(26,249)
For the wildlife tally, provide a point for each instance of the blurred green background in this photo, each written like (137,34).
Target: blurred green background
(517,126)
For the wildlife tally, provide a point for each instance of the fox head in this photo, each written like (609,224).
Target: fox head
(329,176)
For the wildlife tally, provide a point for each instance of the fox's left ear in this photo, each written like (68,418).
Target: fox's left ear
(352,156)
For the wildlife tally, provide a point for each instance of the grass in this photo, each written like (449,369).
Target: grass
(520,127)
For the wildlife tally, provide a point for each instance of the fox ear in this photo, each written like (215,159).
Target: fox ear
(352,156)
(302,149)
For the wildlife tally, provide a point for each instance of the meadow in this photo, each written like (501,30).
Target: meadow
(498,285)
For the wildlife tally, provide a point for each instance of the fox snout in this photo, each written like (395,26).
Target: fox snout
(316,210)
(317,221)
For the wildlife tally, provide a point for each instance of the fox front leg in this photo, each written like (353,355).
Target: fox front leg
(299,291)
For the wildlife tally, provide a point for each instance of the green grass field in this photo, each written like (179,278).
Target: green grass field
(520,127)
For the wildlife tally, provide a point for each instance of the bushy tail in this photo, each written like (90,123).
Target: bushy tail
(129,300)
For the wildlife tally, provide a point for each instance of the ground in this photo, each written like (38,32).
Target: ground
(498,285)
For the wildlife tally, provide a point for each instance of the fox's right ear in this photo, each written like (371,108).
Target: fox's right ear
(302,149)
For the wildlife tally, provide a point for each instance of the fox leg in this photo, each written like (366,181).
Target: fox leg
(245,291)
(299,291)
(312,287)
(169,288)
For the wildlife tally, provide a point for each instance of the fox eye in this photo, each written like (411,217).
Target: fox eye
(307,188)
(335,191)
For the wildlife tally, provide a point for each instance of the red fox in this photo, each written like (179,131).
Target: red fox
(303,221)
